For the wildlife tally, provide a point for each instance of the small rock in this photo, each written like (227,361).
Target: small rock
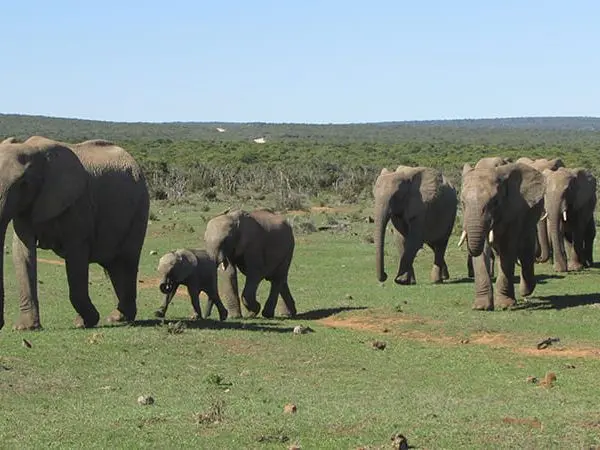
(385,330)
(531,379)
(153,252)
(378,345)
(300,329)
(145,400)
(27,344)
(290,408)
(548,380)
(464,341)
(399,442)
(570,366)
(294,447)
(348,297)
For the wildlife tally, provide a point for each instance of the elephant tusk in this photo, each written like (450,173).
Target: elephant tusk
(222,266)
(463,236)
(544,216)
(565,215)
(491,236)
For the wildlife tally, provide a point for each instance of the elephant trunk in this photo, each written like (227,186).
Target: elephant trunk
(476,234)
(544,249)
(382,216)
(556,231)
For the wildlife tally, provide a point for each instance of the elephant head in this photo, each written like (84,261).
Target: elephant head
(223,237)
(401,195)
(39,180)
(174,268)
(493,198)
(570,197)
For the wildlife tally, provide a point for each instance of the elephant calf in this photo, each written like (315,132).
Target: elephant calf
(194,269)
(261,245)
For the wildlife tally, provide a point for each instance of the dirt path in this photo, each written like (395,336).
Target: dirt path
(392,327)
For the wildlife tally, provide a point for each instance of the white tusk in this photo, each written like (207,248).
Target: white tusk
(565,215)
(463,236)
(491,236)
(222,267)
(544,216)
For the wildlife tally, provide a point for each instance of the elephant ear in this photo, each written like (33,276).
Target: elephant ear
(585,187)
(466,169)
(186,262)
(385,171)
(523,186)
(64,181)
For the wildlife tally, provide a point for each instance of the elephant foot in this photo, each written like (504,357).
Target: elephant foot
(483,304)
(445,274)
(80,322)
(195,316)
(234,315)
(27,321)
(253,310)
(223,315)
(437,275)
(575,267)
(560,268)
(503,302)
(405,280)
(159,313)
(117,316)
(526,289)
(267,314)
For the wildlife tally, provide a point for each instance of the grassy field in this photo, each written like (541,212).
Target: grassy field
(449,377)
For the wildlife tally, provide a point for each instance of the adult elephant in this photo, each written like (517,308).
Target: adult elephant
(87,202)
(570,202)
(421,204)
(544,247)
(506,201)
(488,162)
(261,245)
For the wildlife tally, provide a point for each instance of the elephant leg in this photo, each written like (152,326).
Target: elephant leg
(24,255)
(527,257)
(269,308)
(470,269)
(505,290)
(216,300)
(194,294)
(490,260)
(408,249)
(484,298)
(77,265)
(123,276)
(231,292)
(162,311)
(577,258)
(288,300)
(249,295)
(439,271)
(588,242)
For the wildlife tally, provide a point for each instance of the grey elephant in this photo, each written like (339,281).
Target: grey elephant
(87,202)
(570,203)
(488,162)
(421,203)
(194,269)
(544,247)
(260,244)
(505,203)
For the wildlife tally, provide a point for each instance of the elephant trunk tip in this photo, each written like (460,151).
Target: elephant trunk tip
(382,277)
(166,288)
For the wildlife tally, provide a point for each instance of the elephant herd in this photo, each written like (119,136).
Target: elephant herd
(519,212)
(89,203)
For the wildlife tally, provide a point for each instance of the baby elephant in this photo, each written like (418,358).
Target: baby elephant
(194,269)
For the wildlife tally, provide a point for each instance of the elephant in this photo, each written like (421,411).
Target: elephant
(485,163)
(544,247)
(570,202)
(421,203)
(504,203)
(198,272)
(88,203)
(260,244)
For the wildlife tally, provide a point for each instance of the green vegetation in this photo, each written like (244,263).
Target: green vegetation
(449,377)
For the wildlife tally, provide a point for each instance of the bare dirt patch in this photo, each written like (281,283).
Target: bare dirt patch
(57,262)
(533,423)
(392,327)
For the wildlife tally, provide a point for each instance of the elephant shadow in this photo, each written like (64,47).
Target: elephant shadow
(323,313)
(543,278)
(458,280)
(210,324)
(559,302)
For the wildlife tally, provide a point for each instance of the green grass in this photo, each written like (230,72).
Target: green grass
(225,385)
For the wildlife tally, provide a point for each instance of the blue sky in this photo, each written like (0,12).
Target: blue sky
(300,61)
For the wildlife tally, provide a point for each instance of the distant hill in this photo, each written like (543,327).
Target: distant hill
(486,130)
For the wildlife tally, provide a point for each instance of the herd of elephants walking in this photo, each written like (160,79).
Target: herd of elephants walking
(89,203)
